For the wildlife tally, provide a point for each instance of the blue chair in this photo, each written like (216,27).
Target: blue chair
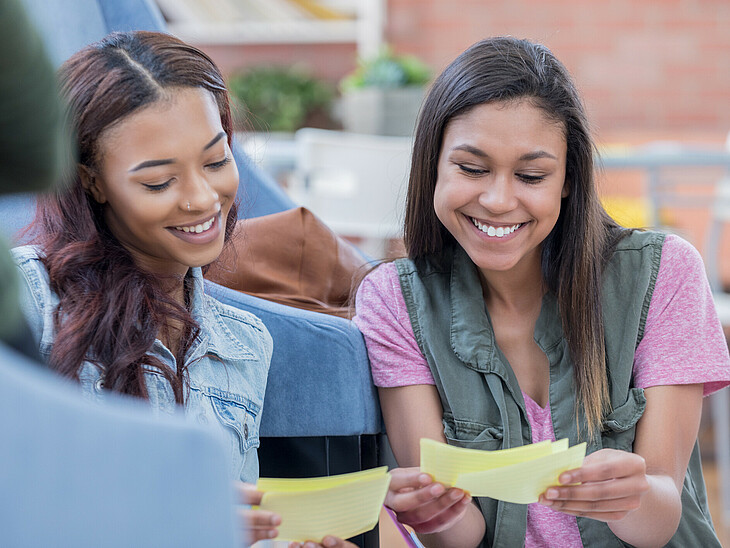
(78,474)
(321,413)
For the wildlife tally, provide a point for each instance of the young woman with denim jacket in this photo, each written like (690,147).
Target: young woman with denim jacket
(113,281)
(524,313)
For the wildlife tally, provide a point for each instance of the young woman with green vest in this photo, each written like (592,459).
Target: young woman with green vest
(525,313)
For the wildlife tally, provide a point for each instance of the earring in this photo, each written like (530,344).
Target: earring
(188,206)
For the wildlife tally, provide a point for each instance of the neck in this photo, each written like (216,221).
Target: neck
(520,288)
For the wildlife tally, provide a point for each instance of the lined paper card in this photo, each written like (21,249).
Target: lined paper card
(516,475)
(311,508)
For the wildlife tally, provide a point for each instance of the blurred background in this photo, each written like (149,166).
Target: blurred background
(327,94)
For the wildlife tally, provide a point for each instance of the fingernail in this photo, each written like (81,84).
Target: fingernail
(329,541)
(436,490)
(273,533)
(456,494)
(424,479)
(566,478)
(552,493)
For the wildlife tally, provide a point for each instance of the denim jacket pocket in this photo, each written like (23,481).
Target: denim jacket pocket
(472,435)
(237,413)
(619,427)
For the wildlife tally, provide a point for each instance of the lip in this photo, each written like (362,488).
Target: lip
(199,238)
(495,238)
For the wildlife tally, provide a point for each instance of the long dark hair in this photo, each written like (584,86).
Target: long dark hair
(579,246)
(111,311)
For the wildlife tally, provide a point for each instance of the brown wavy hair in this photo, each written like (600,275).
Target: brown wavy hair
(576,251)
(110,310)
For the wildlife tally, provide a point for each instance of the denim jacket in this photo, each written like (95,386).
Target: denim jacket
(227,364)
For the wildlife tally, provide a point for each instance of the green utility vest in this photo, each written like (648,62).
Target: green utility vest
(482,401)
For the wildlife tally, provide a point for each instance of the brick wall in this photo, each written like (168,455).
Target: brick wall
(641,64)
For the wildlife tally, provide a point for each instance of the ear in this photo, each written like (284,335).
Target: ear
(566,189)
(91,184)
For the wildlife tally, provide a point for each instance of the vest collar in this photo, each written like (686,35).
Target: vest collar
(472,335)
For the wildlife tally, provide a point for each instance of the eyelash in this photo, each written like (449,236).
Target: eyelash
(217,165)
(529,179)
(158,188)
(214,166)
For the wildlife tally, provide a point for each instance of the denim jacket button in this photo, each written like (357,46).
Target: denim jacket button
(99,384)
(245,431)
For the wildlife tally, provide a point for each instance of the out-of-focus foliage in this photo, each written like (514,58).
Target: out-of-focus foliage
(279,98)
(387,70)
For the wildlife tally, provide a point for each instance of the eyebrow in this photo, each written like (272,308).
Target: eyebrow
(215,140)
(524,158)
(167,161)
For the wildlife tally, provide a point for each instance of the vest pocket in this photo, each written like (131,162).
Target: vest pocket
(472,435)
(619,427)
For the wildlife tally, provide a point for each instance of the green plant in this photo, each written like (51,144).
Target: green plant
(387,70)
(279,98)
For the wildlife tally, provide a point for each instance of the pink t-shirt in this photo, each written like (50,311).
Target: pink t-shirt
(683,344)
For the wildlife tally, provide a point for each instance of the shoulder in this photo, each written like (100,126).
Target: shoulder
(33,271)
(26,255)
(241,329)
(638,240)
(678,251)
(382,276)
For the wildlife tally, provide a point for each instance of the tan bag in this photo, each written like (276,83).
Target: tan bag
(290,258)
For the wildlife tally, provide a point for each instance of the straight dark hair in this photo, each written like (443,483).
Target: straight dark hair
(111,311)
(574,254)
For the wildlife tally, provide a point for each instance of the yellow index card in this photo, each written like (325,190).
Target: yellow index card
(446,462)
(523,482)
(311,508)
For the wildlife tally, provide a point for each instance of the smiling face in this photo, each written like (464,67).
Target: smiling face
(167,180)
(501,178)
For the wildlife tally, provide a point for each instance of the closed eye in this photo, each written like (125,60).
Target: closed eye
(531,178)
(158,188)
(217,165)
(471,170)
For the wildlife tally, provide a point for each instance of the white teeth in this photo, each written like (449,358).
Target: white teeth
(499,231)
(197,229)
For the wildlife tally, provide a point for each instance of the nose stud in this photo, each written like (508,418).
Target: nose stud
(188,206)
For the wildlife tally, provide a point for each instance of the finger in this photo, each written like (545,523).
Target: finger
(408,478)
(434,509)
(248,494)
(606,468)
(259,519)
(446,519)
(404,501)
(252,536)
(598,491)
(334,542)
(589,507)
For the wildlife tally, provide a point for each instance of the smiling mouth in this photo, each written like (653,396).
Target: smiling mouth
(498,231)
(199,228)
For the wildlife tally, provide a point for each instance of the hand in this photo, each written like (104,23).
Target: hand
(327,542)
(255,524)
(424,505)
(612,483)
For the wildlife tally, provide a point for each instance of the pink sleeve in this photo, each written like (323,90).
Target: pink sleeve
(382,317)
(683,340)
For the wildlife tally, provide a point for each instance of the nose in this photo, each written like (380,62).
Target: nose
(199,195)
(498,195)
